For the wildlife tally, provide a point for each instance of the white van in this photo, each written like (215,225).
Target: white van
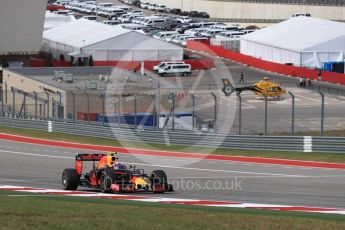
(163,64)
(163,34)
(152,21)
(182,69)
(91,18)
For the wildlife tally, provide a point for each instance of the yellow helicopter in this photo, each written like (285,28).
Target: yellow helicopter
(265,87)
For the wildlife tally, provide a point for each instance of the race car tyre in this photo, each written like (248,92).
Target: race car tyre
(105,184)
(159,177)
(70,179)
(107,179)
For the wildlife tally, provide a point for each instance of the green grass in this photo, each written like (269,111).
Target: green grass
(326,157)
(61,212)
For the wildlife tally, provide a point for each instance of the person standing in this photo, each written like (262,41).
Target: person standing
(304,82)
(241,78)
(319,77)
(309,83)
(300,82)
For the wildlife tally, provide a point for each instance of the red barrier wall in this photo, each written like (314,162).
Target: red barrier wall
(59,63)
(37,62)
(84,116)
(266,65)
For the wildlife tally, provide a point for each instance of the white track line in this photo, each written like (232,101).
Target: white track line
(153,199)
(165,166)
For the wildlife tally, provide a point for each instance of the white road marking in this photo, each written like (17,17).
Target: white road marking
(166,166)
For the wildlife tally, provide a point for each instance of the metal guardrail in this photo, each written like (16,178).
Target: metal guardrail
(280,143)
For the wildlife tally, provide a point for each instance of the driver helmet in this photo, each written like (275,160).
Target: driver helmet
(119,166)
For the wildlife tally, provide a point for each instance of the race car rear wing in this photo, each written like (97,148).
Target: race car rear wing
(81,157)
(89,156)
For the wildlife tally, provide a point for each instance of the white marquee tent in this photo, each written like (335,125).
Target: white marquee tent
(302,41)
(106,43)
(53,20)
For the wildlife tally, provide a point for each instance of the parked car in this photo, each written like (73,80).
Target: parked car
(203,15)
(184,42)
(301,14)
(92,18)
(184,13)
(193,13)
(163,34)
(168,26)
(111,22)
(144,5)
(160,8)
(184,19)
(175,11)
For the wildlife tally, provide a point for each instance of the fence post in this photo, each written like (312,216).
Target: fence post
(103,108)
(173,114)
(266,114)
(118,110)
(193,110)
(215,111)
(292,113)
(158,101)
(88,107)
(13,102)
(135,110)
(239,113)
(35,105)
(47,105)
(24,105)
(73,102)
(322,111)
(2,101)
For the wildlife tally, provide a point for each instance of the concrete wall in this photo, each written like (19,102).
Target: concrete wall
(12,79)
(21,26)
(219,9)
